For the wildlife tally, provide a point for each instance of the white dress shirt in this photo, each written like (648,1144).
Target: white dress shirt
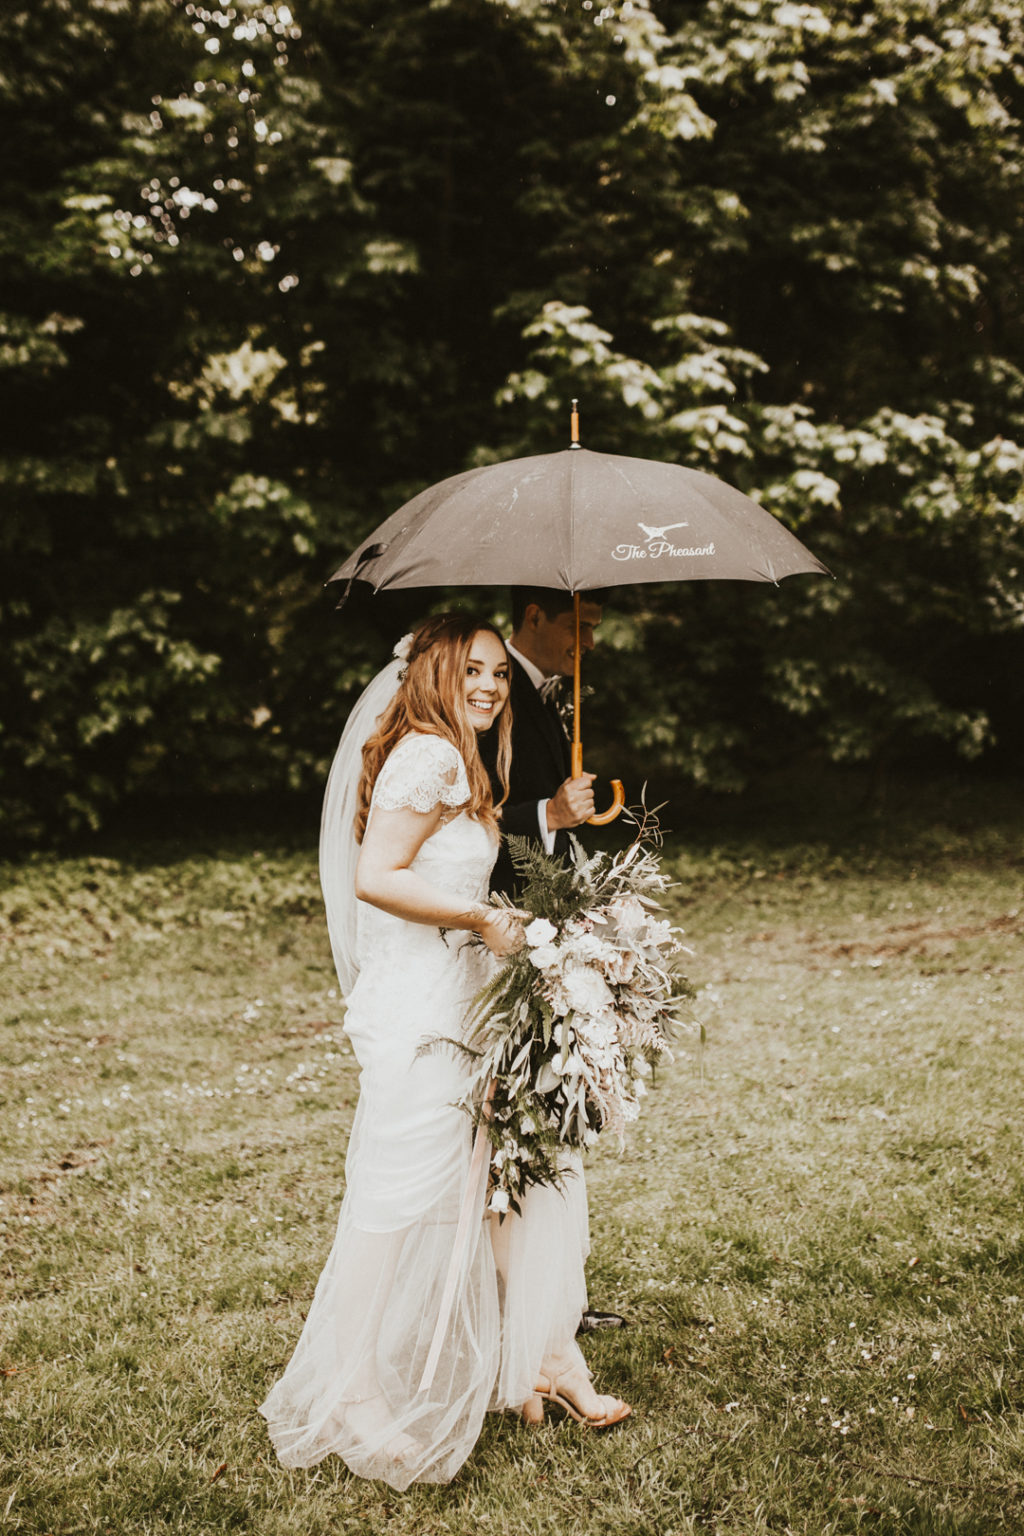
(536,677)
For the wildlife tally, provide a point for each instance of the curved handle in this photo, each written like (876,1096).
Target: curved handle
(618,793)
(618,801)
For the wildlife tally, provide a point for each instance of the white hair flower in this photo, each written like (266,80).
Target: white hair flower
(403,648)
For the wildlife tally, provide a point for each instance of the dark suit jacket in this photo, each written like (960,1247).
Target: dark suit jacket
(541,761)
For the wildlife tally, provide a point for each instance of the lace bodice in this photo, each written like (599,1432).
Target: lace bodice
(423,772)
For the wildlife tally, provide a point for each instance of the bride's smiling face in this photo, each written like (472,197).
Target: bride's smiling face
(486,681)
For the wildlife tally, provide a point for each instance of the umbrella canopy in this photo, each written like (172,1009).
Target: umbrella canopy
(579,520)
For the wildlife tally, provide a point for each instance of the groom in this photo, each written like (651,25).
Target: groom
(544,800)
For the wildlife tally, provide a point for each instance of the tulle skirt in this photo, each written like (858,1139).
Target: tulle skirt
(419,1325)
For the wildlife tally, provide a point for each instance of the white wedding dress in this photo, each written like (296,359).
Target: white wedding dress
(513,1295)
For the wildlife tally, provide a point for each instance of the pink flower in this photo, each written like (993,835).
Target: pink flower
(620,966)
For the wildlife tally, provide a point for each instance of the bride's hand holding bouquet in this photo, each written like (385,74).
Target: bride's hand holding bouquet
(501,929)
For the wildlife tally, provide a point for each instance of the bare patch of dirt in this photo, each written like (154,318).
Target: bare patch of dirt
(312,1026)
(77,1160)
(921,938)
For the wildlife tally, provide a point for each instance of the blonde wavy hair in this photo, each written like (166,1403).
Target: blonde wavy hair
(431,699)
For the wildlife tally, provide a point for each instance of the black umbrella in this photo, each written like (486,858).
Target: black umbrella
(577,520)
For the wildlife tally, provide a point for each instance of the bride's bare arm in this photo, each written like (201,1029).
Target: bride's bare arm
(384,879)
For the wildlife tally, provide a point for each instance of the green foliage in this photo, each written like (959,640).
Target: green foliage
(284,265)
(831,324)
(546,887)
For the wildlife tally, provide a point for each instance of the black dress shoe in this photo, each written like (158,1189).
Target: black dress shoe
(592,1322)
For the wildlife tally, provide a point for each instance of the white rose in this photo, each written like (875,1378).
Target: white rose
(591,948)
(540,931)
(499,1202)
(598,1030)
(545,957)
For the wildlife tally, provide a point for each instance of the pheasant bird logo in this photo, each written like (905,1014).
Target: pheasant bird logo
(657,535)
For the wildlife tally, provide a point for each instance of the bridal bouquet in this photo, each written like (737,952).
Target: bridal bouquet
(568,1030)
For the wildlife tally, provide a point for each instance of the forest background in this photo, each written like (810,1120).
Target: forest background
(267,270)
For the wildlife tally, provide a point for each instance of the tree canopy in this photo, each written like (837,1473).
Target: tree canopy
(267,270)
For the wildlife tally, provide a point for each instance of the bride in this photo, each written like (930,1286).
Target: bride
(428,1312)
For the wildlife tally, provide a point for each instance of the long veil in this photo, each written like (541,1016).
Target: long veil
(339,850)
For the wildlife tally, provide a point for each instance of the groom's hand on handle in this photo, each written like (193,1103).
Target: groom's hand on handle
(572,803)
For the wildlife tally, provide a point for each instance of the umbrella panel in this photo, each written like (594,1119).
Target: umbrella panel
(578,520)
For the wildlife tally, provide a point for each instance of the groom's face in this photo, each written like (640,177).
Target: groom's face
(551,643)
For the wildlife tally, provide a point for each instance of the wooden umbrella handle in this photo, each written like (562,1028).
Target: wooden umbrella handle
(618,801)
(618,793)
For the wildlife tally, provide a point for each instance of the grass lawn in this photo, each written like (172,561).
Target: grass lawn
(816,1231)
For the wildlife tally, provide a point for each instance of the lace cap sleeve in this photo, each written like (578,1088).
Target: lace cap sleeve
(422,772)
